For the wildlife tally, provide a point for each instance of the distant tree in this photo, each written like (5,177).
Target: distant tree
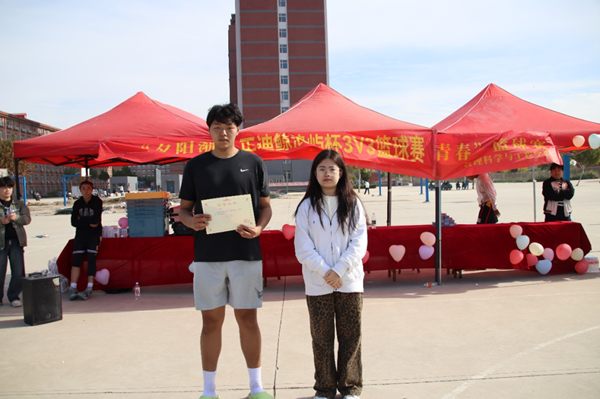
(587,158)
(103,175)
(124,171)
(94,173)
(7,159)
(71,171)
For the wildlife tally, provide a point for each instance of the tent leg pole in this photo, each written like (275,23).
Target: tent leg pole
(389,200)
(17,179)
(438,233)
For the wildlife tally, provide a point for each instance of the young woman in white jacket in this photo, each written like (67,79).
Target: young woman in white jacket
(330,242)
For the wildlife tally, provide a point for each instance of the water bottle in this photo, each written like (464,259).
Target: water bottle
(373,221)
(428,285)
(137,291)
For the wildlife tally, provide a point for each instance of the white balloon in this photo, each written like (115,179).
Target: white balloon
(578,141)
(577,254)
(543,266)
(536,248)
(594,141)
(522,242)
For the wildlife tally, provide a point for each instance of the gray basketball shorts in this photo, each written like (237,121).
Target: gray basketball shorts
(237,283)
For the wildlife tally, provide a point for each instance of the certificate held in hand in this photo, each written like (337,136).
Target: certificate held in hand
(227,213)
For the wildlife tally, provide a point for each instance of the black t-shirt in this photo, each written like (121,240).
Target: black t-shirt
(206,177)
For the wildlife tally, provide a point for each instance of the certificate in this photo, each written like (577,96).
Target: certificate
(227,213)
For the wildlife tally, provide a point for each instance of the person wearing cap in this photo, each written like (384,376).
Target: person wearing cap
(557,195)
(486,198)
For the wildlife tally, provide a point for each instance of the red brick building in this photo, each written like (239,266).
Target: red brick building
(277,54)
(45,179)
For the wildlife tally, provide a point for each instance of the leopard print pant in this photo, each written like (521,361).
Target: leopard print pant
(336,312)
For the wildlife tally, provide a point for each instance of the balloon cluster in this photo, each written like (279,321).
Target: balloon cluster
(543,266)
(593,141)
(426,250)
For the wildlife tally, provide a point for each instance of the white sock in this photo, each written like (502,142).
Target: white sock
(73,285)
(255,381)
(210,384)
(90,285)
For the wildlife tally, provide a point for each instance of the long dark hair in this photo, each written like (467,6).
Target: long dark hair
(347,213)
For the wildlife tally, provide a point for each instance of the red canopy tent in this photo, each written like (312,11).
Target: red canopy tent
(324,118)
(495,110)
(137,131)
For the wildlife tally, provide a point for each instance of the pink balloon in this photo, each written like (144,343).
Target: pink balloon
(427,238)
(425,251)
(123,223)
(531,259)
(102,276)
(365,258)
(516,256)
(516,231)
(397,252)
(582,266)
(288,231)
(548,254)
(563,251)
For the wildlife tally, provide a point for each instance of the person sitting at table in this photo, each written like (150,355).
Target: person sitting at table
(486,198)
(557,195)
(86,217)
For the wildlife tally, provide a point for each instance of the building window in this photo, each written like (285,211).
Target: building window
(285,95)
(281,3)
(284,80)
(283,64)
(283,48)
(282,18)
(287,161)
(282,32)
(283,109)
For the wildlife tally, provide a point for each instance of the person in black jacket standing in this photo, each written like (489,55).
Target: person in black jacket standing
(557,195)
(87,220)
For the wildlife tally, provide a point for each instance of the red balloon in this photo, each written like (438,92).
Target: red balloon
(365,258)
(582,266)
(516,256)
(288,231)
(563,251)
(531,259)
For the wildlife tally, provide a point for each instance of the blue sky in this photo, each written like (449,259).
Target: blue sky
(64,62)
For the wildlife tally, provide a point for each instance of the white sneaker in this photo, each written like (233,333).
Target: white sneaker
(16,303)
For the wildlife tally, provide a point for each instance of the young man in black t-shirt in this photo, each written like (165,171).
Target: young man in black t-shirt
(228,265)
(86,217)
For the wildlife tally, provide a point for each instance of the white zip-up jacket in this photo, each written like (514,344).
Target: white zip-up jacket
(321,248)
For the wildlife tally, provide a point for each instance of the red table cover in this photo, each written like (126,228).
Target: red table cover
(165,260)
